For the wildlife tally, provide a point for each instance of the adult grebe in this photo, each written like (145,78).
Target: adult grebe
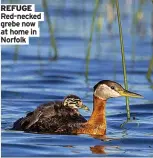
(103,90)
(55,118)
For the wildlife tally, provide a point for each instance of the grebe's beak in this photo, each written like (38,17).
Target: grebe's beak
(84,107)
(126,93)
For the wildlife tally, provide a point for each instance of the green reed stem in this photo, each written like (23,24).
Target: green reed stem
(90,39)
(123,59)
(16,52)
(51,30)
(133,32)
(150,68)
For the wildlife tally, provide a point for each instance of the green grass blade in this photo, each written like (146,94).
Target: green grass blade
(123,58)
(16,52)
(51,30)
(90,39)
(150,69)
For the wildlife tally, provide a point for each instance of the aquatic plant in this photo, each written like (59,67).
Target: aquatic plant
(51,30)
(150,68)
(123,58)
(16,52)
(90,38)
(133,31)
(99,27)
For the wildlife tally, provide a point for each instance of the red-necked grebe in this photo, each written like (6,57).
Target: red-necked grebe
(64,117)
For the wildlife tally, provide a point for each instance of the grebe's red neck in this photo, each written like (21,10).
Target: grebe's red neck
(98,116)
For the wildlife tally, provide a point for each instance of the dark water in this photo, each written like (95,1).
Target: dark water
(34,79)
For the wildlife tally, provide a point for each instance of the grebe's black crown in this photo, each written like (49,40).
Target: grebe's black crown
(71,96)
(108,83)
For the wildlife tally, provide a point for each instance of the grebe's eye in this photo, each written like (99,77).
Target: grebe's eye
(112,87)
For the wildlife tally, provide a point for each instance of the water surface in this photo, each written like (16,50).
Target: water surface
(33,79)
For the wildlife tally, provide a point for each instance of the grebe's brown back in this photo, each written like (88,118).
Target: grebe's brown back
(53,117)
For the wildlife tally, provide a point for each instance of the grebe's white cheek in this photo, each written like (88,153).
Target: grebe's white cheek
(100,92)
(105,92)
(110,92)
(114,94)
